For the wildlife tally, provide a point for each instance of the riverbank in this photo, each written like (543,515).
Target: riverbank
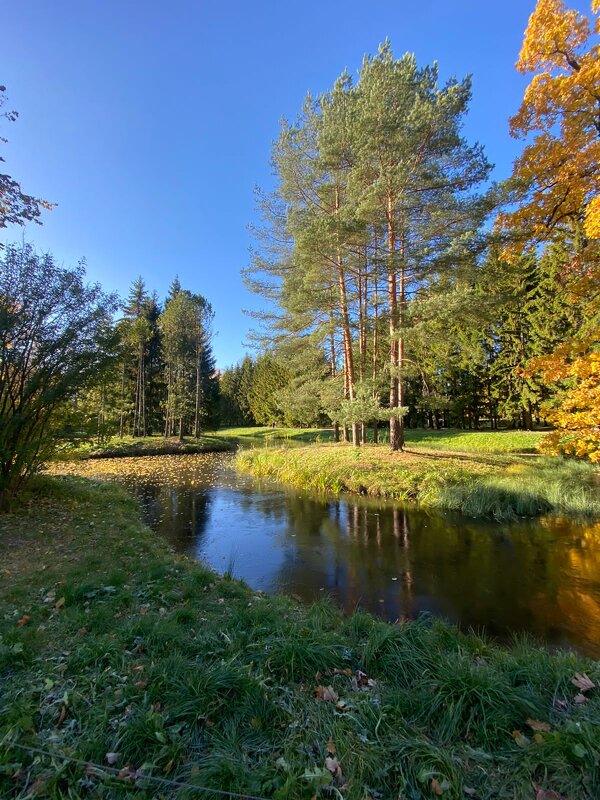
(117,652)
(474,483)
(129,446)
(480,441)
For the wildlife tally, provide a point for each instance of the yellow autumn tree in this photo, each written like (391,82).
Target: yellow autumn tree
(556,185)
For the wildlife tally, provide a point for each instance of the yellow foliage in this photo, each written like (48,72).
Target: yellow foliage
(575,367)
(558,173)
(557,180)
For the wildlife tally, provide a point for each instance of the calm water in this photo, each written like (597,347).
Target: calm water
(541,576)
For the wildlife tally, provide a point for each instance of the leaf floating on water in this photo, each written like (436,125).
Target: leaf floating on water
(581,681)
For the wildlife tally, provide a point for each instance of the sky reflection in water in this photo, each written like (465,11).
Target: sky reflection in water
(540,577)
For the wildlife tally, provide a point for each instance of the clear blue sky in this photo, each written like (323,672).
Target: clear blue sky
(149,123)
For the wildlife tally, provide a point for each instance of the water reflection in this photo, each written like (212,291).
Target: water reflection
(542,576)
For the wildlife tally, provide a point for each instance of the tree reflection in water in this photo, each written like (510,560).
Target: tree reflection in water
(538,576)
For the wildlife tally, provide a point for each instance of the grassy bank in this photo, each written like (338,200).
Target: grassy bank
(500,486)
(483,441)
(116,651)
(128,446)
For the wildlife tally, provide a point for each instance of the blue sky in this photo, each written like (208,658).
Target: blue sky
(149,123)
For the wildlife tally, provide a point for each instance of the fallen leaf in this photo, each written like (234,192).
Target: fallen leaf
(537,725)
(580,698)
(537,737)
(546,794)
(327,694)
(469,791)
(333,765)
(112,758)
(24,620)
(59,603)
(581,681)
(62,717)
(331,748)
(521,740)
(436,787)
(126,774)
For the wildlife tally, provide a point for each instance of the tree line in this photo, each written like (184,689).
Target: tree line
(163,380)
(403,287)
(76,363)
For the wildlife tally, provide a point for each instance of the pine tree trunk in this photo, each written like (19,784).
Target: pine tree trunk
(346,335)
(396,432)
(121,417)
(198,394)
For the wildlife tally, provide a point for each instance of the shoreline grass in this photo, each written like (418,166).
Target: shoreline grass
(476,484)
(115,650)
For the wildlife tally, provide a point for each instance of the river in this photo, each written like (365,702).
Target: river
(539,577)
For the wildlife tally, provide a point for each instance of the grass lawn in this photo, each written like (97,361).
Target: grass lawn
(128,446)
(484,441)
(476,483)
(116,651)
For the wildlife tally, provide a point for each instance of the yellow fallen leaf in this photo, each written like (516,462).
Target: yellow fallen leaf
(537,725)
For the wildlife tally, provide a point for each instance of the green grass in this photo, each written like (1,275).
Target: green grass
(112,644)
(478,485)
(484,441)
(476,441)
(268,434)
(128,446)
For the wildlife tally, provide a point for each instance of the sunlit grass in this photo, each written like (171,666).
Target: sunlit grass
(484,441)
(128,446)
(499,486)
(131,650)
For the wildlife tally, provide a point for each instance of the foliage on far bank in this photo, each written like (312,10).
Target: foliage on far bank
(477,484)
(130,446)
(117,652)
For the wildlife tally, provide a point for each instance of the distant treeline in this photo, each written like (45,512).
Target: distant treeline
(163,380)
